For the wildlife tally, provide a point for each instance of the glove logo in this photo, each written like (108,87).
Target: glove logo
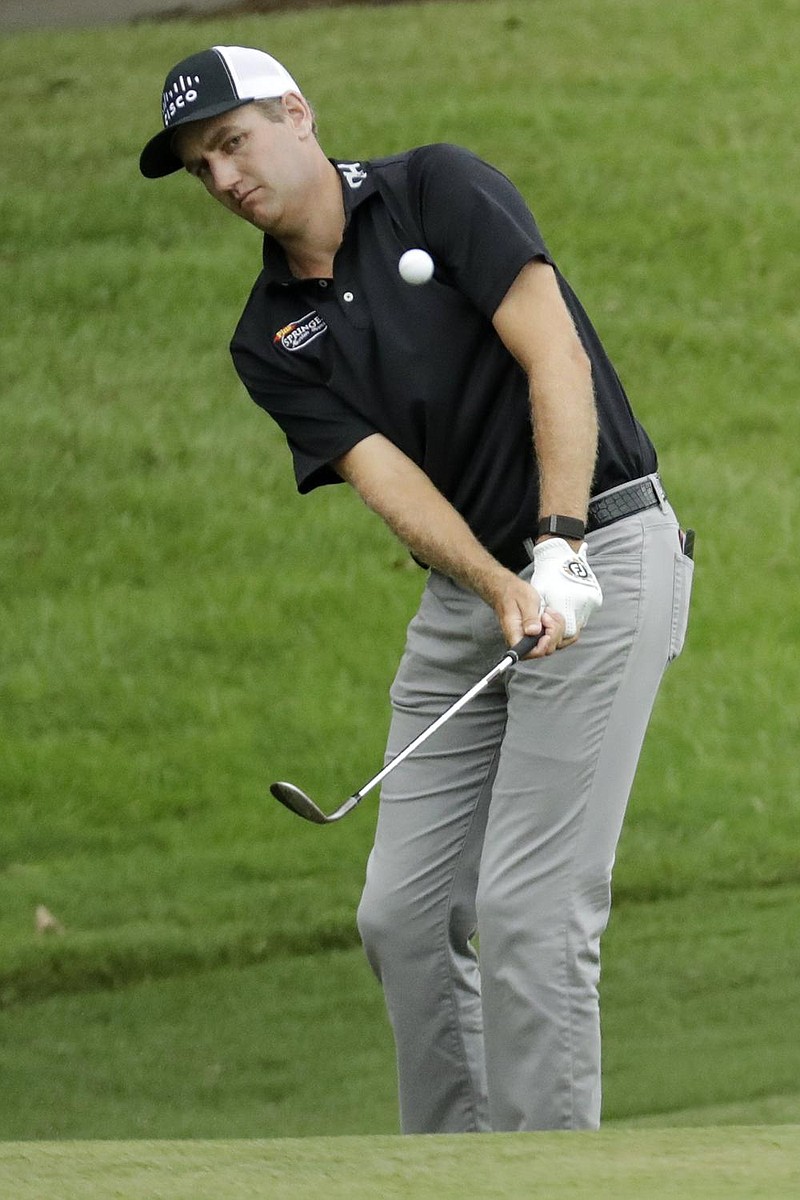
(576,569)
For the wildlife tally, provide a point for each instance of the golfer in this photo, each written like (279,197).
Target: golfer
(478,414)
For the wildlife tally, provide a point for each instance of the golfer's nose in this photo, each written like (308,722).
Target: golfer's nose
(224,172)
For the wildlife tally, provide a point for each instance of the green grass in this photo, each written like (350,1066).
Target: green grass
(703,1164)
(701,997)
(179,628)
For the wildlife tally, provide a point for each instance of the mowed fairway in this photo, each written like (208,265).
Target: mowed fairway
(701,1164)
(179,628)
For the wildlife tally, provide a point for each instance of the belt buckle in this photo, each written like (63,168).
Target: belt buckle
(658,488)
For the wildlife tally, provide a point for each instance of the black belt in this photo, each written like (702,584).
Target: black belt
(603,510)
(624,502)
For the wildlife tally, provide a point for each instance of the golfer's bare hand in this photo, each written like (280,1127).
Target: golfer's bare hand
(517,606)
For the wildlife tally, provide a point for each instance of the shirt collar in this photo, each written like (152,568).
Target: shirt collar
(358,183)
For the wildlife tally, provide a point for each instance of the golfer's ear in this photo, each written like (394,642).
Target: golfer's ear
(298,110)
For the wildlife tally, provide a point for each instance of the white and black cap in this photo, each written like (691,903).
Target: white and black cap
(205,85)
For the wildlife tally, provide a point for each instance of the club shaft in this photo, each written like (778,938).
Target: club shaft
(507,661)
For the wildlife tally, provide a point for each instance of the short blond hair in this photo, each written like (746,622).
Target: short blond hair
(272,109)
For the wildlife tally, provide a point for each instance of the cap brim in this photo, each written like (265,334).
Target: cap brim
(159,159)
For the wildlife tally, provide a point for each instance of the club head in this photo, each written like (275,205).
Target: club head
(298,802)
(304,806)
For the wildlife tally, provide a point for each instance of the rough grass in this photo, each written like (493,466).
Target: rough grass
(700,996)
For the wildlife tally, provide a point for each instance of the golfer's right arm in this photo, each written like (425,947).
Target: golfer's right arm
(419,515)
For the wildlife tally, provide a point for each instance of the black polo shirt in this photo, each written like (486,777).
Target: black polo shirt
(335,360)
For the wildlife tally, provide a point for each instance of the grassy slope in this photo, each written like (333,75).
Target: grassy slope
(697,1009)
(180,627)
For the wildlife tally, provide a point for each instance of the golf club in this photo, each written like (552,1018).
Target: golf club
(296,800)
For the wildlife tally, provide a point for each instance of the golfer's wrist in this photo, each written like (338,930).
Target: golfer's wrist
(575,543)
(569,528)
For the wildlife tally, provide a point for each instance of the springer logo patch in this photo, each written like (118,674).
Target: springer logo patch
(300,333)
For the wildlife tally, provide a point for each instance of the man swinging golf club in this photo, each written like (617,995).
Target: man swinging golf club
(476,411)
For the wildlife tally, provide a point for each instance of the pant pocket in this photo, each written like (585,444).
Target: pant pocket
(681,597)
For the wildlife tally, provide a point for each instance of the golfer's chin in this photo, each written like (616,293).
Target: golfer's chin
(255,210)
(260,220)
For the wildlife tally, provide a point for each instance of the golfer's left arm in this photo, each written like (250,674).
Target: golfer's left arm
(535,325)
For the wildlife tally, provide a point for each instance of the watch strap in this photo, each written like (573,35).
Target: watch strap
(558,526)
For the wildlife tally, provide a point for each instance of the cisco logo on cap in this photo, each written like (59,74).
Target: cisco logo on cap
(175,98)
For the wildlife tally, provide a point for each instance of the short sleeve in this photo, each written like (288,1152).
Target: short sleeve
(474,220)
(318,425)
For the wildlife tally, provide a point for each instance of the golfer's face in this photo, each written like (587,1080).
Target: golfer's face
(250,164)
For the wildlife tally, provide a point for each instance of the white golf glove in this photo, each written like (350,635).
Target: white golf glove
(566,582)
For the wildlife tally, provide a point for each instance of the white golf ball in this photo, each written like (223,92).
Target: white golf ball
(416,266)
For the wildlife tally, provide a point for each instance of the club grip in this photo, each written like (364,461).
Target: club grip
(524,645)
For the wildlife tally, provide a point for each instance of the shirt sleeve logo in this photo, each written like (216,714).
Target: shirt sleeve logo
(299,333)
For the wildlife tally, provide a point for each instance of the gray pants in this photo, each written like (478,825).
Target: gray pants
(505,824)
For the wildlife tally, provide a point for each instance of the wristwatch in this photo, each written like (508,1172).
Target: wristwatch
(565,527)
